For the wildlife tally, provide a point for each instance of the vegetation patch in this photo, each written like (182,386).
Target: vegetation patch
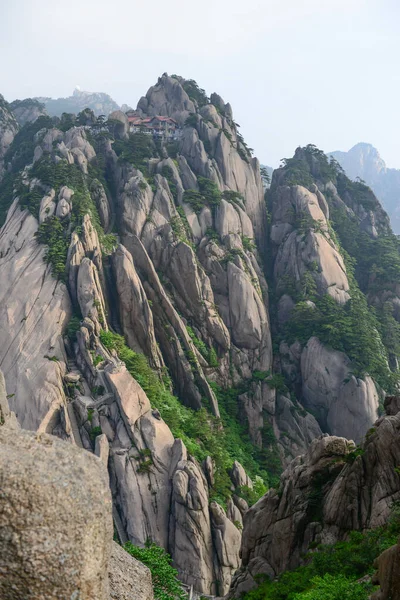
(333,571)
(166,585)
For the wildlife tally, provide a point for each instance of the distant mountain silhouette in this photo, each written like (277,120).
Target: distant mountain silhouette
(363,160)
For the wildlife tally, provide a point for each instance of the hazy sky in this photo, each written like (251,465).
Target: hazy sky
(295,71)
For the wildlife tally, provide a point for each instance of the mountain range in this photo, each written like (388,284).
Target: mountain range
(364,161)
(229,350)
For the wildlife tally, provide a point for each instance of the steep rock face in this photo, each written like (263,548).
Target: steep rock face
(299,250)
(32,354)
(167,98)
(27,111)
(83,542)
(159,492)
(221,291)
(8,129)
(182,279)
(135,314)
(343,404)
(322,496)
(313,205)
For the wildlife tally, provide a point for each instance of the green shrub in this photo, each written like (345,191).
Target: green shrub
(334,588)
(20,153)
(95,432)
(200,345)
(164,577)
(213,358)
(333,568)
(248,243)
(199,430)
(195,92)
(73,327)
(191,120)
(53,233)
(137,150)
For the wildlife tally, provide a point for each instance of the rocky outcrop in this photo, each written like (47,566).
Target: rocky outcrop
(167,98)
(387,576)
(55,523)
(323,495)
(129,579)
(182,280)
(302,242)
(134,310)
(76,526)
(342,404)
(8,130)
(32,354)
(27,111)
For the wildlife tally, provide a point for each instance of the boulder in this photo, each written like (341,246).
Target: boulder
(388,575)
(322,496)
(55,519)
(129,578)
(121,127)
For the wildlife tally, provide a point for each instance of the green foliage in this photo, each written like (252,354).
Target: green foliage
(359,192)
(52,358)
(248,243)
(137,150)
(209,190)
(195,92)
(73,327)
(265,176)
(97,359)
(201,432)
(95,432)
(165,581)
(191,120)
(172,149)
(334,567)
(20,153)
(213,358)
(67,121)
(6,194)
(209,194)
(233,197)
(195,199)
(377,261)
(351,328)
(200,345)
(334,588)
(52,232)
(252,495)
(29,198)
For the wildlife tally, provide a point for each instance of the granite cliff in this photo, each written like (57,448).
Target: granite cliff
(152,292)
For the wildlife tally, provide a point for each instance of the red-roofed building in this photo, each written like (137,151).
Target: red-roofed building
(158,125)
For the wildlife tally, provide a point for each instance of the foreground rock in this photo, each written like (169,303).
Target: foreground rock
(129,578)
(55,522)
